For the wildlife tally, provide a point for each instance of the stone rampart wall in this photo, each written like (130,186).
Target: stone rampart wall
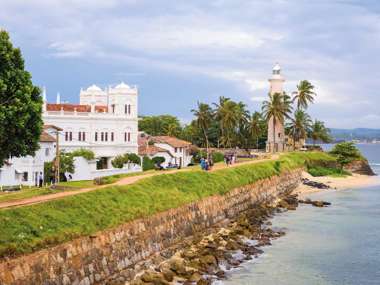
(94,259)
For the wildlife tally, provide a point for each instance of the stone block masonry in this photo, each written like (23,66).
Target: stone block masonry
(95,259)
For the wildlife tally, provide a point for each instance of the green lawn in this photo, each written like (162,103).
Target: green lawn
(29,228)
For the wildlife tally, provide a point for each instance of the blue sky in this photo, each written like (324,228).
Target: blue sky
(179,52)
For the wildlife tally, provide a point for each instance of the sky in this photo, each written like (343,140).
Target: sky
(180,52)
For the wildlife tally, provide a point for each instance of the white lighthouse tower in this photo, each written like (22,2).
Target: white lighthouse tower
(276,133)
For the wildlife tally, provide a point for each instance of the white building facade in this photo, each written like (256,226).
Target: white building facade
(105,121)
(26,170)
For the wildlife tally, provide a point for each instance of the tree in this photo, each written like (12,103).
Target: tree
(85,153)
(20,104)
(160,125)
(66,164)
(255,127)
(204,118)
(318,132)
(277,107)
(346,152)
(305,94)
(120,160)
(299,126)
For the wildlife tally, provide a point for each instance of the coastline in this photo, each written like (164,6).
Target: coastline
(336,183)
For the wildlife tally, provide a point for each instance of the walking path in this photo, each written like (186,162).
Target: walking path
(123,181)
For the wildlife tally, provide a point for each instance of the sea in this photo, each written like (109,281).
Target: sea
(339,244)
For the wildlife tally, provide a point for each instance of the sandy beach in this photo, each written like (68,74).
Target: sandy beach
(337,183)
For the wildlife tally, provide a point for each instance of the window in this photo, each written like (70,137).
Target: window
(47,151)
(112,136)
(279,135)
(106,136)
(71,136)
(127,136)
(102,136)
(81,136)
(127,109)
(96,136)
(175,149)
(113,108)
(66,136)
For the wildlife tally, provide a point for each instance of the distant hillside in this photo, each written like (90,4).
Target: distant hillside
(358,134)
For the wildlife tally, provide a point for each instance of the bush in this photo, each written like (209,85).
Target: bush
(120,160)
(217,156)
(85,153)
(325,171)
(134,158)
(345,153)
(158,160)
(147,163)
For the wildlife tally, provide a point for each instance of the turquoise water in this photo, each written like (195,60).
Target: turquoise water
(335,245)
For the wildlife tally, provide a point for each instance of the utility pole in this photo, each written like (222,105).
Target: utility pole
(57,157)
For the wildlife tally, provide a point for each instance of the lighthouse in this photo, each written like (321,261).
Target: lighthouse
(276,133)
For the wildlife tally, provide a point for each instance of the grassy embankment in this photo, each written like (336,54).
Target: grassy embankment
(29,192)
(34,227)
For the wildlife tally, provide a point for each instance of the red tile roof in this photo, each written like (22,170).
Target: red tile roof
(45,137)
(173,141)
(77,107)
(150,149)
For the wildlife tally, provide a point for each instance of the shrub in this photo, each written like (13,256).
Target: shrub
(217,156)
(326,171)
(147,163)
(134,158)
(346,152)
(85,153)
(158,159)
(120,160)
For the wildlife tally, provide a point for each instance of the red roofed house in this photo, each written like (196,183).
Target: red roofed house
(174,150)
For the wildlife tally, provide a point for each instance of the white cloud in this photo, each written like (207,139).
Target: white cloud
(333,44)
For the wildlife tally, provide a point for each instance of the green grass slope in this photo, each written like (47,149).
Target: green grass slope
(30,228)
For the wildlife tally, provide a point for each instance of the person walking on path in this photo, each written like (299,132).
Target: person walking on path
(40,180)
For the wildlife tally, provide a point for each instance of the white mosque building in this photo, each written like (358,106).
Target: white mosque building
(104,121)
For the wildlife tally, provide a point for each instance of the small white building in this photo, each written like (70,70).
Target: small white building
(26,170)
(174,150)
(104,121)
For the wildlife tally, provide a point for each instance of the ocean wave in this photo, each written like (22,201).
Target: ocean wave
(374,164)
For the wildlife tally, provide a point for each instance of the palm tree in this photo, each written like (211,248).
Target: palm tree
(255,125)
(305,94)
(171,130)
(203,118)
(242,119)
(299,126)
(227,115)
(318,131)
(218,115)
(277,107)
